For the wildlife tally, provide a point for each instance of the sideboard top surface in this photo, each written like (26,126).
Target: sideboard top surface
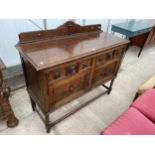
(50,52)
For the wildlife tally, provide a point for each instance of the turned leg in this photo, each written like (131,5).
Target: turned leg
(110,87)
(12,121)
(48,128)
(33,104)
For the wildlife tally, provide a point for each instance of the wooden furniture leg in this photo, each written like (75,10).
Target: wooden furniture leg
(6,112)
(47,121)
(141,49)
(140,41)
(12,121)
(33,104)
(110,87)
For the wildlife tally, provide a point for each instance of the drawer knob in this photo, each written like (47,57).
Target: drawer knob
(109,56)
(72,70)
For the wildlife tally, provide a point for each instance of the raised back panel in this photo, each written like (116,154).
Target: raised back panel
(44,34)
(68,28)
(74,28)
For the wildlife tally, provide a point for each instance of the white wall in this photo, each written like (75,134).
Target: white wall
(9,30)
(54,23)
(103,22)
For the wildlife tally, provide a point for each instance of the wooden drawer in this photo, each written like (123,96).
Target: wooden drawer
(105,73)
(109,55)
(68,69)
(68,87)
(56,74)
(62,72)
(101,59)
(119,52)
(85,64)
(71,68)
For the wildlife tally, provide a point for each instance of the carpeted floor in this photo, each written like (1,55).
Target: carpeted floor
(97,115)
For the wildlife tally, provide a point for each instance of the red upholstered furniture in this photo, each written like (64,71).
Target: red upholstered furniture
(146,104)
(131,122)
(139,119)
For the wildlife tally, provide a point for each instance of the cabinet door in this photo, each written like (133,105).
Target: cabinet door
(68,89)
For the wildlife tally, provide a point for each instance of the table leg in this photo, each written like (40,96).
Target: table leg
(33,104)
(47,123)
(110,87)
(141,49)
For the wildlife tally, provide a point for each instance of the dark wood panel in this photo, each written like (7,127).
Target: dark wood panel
(69,28)
(139,40)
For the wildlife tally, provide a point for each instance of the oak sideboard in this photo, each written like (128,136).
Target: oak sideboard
(62,64)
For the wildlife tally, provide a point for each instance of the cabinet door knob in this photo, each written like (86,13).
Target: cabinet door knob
(72,69)
(109,56)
